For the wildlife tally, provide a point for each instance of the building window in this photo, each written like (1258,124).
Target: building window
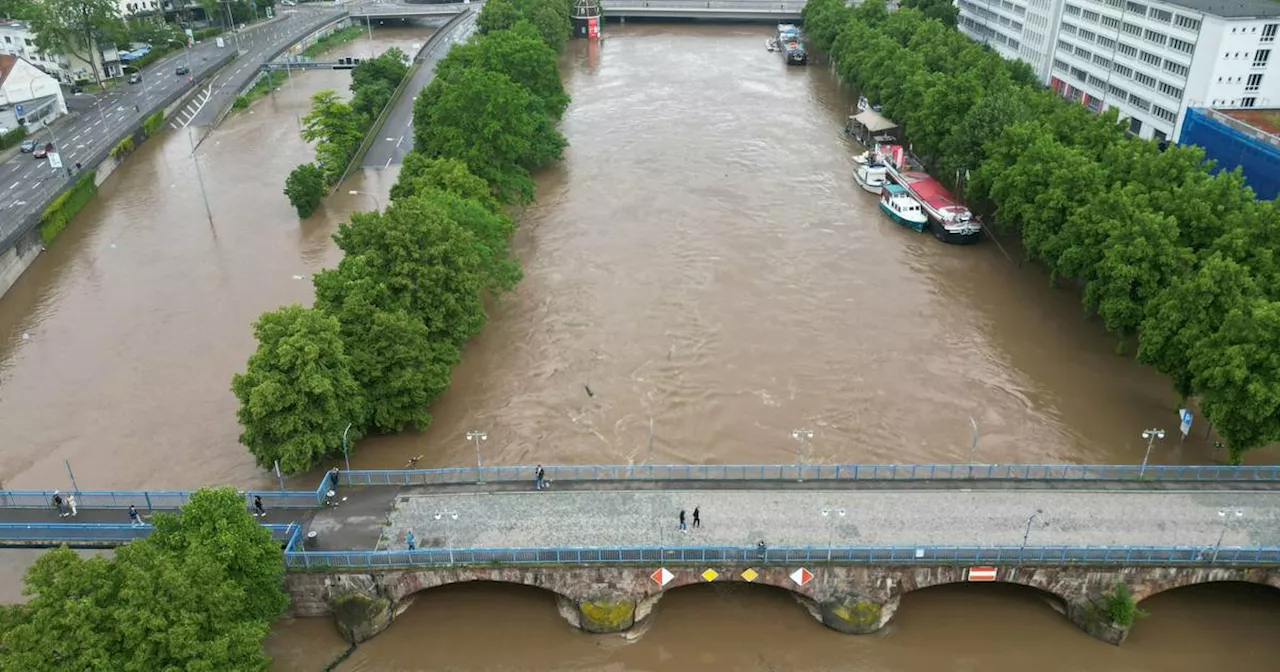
(1064,45)
(1072,10)
(1136,8)
(1167,115)
(1083,53)
(1116,91)
(1135,126)
(1150,58)
(1140,103)
(1176,68)
(1089,15)
(1087,35)
(1116,3)
(1171,90)
(1145,79)
(1123,70)
(1181,45)
(1161,15)
(1153,36)
(1187,22)
(1253,83)
(1068,28)
(1096,81)
(1248,102)
(1080,74)
(1106,42)
(1269,32)
(1261,57)
(1059,65)
(1111,22)
(1099,59)
(1132,29)
(1131,52)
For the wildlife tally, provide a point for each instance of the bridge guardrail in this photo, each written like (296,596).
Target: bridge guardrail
(817,472)
(708,556)
(151,500)
(107,533)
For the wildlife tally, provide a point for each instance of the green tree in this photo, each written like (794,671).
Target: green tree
(337,131)
(429,264)
(552,21)
(1237,374)
(493,124)
(400,368)
(297,393)
(198,594)
(519,53)
(305,188)
(369,100)
(420,172)
(497,15)
(79,28)
(389,68)
(22,10)
(492,230)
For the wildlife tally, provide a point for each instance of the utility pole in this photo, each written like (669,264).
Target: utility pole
(801,435)
(478,436)
(1150,435)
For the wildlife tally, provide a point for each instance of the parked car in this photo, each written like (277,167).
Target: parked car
(182,70)
(27,146)
(43,151)
(135,78)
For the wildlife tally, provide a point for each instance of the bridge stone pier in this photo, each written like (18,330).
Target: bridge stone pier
(850,599)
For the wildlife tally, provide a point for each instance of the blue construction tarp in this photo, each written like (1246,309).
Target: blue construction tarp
(1229,146)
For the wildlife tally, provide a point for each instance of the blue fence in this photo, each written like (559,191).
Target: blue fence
(163,500)
(859,555)
(54,534)
(817,472)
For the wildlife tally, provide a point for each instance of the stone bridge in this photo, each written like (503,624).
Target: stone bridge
(850,599)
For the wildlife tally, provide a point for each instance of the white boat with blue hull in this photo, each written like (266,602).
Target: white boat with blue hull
(872,176)
(897,202)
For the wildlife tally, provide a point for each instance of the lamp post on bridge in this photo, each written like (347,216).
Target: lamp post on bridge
(803,436)
(346,447)
(1226,515)
(833,517)
(1027,533)
(1150,435)
(478,436)
(453,517)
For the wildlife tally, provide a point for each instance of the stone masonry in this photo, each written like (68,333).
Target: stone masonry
(851,599)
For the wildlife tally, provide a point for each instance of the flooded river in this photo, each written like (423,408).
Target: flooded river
(702,258)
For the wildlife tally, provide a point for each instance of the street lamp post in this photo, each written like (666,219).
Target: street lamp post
(369,26)
(376,203)
(478,436)
(1027,533)
(801,435)
(346,447)
(1226,515)
(448,543)
(973,449)
(1150,435)
(833,515)
(49,125)
(231,25)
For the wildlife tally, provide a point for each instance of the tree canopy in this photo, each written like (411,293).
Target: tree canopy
(198,594)
(1166,249)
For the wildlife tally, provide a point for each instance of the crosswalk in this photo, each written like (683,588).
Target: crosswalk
(192,108)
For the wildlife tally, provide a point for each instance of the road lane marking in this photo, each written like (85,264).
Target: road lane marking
(14,185)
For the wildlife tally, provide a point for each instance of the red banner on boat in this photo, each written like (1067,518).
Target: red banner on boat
(593,28)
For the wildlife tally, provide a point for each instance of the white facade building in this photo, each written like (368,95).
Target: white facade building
(131,7)
(1153,59)
(17,39)
(1021,29)
(28,96)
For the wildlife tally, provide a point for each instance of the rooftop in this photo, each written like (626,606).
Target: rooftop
(1267,121)
(1231,8)
(6,65)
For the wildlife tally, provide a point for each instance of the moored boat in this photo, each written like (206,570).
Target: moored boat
(872,176)
(949,220)
(897,202)
(788,42)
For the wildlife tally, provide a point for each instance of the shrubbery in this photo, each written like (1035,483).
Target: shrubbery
(152,124)
(305,188)
(1184,260)
(390,321)
(13,137)
(58,213)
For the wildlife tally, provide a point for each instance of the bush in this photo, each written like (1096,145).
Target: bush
(305,188)
(56,216)
(152,124)
(122,149)
(240,103)
(1121,607)
(13,137)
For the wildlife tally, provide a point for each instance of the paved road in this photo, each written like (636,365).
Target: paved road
(395,138)
(27,183)
(793,517)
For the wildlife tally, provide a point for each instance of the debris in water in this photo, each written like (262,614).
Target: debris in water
(589,392)
(297,277)
(26,337)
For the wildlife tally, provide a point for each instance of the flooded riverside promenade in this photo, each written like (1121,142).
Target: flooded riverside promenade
(701,257)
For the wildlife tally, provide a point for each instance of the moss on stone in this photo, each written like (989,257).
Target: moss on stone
(607,615)
(862,615)
(361,616)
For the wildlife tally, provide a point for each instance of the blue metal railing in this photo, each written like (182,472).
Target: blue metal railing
(106,533)
(903,555)
(817,472)
(163,500)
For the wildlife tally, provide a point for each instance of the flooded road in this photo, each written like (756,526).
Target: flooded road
(703,258)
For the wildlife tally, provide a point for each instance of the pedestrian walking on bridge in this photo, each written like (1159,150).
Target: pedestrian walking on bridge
(71,502)
(135,519)
(683,528)
(59,504)
(411,540)
(258,507)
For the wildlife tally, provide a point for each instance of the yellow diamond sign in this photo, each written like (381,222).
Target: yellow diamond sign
(750,575)
(710,575)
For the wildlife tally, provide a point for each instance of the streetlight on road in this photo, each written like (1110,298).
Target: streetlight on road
(803,436)
(452,517)
(1150,435)
(1226,515)
(833,516)
(478,436)
(49,125)
(1027,533)
(356,192)
(346,447)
